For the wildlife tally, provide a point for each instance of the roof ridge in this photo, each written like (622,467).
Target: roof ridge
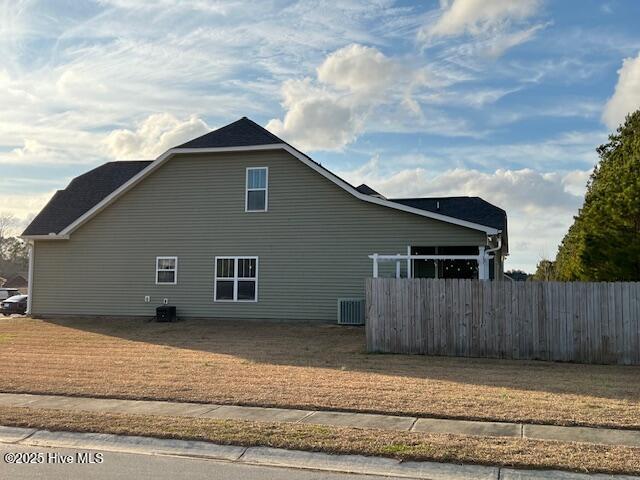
(262,129)
(126,161)
(242,132)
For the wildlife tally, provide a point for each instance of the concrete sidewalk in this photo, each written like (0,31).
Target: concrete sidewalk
(276,457)
(358,420)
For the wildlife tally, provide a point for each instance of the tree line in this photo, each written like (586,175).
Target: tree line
(603,243)
(14,252)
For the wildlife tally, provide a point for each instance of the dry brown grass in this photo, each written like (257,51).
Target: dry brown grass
(304,366)
(519,453)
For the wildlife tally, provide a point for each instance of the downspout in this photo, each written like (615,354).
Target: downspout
(32,248)
(491,250)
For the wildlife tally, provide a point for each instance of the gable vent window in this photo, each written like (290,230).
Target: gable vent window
(166,270)
(257,192)
(236,279)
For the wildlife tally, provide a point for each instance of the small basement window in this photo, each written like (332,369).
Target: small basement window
(166,270)
(236,279)
(257,194)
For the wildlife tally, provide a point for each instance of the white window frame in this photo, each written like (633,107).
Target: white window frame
(235,278)
(265,189)
(175,270)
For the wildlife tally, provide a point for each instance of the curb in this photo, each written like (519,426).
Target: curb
(278,457)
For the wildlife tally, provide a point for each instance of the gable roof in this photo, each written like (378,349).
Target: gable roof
(83,193)
(88,194)
(241,133)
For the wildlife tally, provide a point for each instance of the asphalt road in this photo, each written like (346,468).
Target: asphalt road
(127,466)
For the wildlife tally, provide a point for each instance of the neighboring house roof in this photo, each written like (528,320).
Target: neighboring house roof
(17,281)
(88,194)
(83,193)
(367,190)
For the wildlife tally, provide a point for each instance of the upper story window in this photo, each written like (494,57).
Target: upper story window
(257,191)
(166,270)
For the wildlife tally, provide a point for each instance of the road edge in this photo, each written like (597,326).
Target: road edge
(277,457)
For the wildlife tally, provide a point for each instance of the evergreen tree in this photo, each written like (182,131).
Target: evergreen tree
(603,244)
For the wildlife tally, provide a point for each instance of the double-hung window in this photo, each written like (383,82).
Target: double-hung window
(236,279)
(166,270)
(257,191)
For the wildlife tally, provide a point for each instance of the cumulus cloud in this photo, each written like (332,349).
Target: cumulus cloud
(154,135)
(525,188)
(316,119)
(540,205)
(358,68)
(329,113)
(626,97)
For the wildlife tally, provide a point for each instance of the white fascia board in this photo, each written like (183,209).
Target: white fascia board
(275,146)
(44,237)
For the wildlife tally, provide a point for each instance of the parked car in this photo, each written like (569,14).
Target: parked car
(8,292)
(15,304)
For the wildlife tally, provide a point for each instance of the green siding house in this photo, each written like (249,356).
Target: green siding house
(239,224)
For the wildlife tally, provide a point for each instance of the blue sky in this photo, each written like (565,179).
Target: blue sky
(505,100)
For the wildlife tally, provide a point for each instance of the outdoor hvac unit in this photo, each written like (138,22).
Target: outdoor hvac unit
(351,311)
(166,313)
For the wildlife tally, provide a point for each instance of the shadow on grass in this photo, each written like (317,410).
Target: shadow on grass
(343,348)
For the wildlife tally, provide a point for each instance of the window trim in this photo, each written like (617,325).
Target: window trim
(235,278)
(175,270)
(247,190)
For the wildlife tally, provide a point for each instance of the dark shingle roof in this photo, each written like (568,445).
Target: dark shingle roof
(241,133)
(83,193)
(366,189)
(470,209)
(86,191)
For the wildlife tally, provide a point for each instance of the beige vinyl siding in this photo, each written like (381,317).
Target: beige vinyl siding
(312,243)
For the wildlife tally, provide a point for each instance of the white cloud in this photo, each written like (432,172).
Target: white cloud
(154,135)
(359,89)
(575,182)
(50,152)
(494,25)
(358,68)
(329,113)
(317,119)
(626,97)
(478,16)
(497,45)
(24,206)
(540,205)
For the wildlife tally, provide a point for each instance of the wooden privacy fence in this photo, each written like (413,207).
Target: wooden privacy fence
(562,321)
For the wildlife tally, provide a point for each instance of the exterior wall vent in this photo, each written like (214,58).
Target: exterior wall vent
(351,311)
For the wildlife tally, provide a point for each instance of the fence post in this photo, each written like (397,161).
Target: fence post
(482,274)
(375,265)
(398,266)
